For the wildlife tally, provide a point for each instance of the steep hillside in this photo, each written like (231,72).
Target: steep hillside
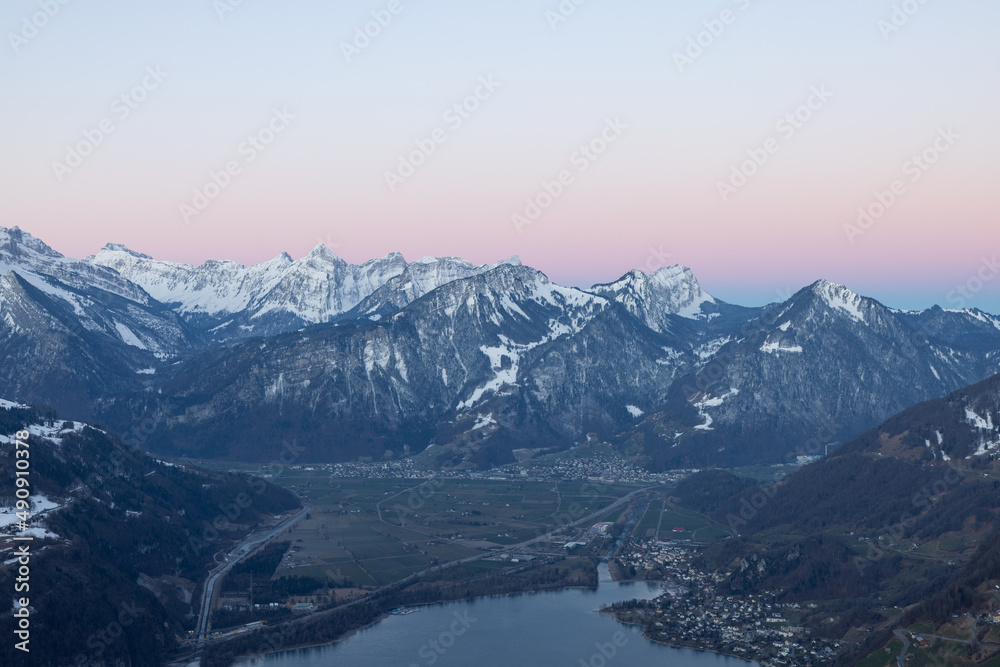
(907,515)
(121,542)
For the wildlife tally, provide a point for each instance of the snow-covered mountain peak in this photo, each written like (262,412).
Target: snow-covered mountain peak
(681,281)
(420,278)
(51,272)
(674,275)
(393,258)
(321,252)
(672,290)
(283,259)
(839,297)
(120,247)
(17,245)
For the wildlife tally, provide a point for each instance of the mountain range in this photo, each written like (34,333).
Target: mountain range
(465,363)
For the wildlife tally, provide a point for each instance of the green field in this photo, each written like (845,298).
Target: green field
(374,532)
(883,658)
(650,521)
(692,526)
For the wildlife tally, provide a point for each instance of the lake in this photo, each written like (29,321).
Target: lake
(554,629)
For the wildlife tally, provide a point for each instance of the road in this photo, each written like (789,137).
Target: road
(901,660)
(238,553)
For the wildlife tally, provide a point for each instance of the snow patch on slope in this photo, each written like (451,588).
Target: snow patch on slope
(128,337)
(979,422)
(710,402)
(776,347)
(840,298)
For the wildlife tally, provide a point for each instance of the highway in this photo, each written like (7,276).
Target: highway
(235,555)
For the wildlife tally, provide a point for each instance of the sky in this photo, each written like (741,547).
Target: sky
(763,143)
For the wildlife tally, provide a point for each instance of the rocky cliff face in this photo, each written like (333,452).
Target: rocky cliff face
(72,334)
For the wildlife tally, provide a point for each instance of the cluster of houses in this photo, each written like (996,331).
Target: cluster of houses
(691,614)
(594,468)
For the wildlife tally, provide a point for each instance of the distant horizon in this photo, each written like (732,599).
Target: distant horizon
(746,298)
(762,144)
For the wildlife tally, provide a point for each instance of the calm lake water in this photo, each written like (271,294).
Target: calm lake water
(552,629)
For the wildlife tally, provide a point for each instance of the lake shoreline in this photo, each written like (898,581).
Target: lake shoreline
(243,659)
(544,611)
(677,645)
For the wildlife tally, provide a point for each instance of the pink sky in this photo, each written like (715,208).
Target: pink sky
(656,185)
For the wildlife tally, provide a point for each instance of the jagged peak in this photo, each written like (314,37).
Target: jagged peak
(676,275)
(674,271)
(827,289)
(14,241)
(668,276)
(391,258)
(839,297)
(321,251)
(438,260)
(122,248)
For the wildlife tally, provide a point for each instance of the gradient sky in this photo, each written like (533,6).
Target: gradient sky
(654,189)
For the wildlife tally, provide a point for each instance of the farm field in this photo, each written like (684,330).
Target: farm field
(650,520)
(682,524)
(376,531)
